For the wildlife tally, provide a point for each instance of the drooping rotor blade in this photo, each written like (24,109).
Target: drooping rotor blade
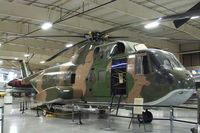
(178,19)
(64,50)
(181,18)
(9,59)
(194,11)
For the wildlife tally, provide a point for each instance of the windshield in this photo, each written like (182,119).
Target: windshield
(168,60)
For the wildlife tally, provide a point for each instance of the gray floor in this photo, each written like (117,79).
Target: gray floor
(16,122)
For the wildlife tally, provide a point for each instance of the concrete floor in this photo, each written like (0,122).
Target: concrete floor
(16,122)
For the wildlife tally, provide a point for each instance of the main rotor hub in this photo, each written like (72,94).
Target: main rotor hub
(96,36)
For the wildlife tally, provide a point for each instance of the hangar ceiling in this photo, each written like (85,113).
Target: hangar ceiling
(20,17)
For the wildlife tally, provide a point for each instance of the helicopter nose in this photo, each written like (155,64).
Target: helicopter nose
(187,81)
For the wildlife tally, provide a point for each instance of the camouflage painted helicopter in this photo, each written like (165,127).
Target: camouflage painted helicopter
(100,70)
(120,68)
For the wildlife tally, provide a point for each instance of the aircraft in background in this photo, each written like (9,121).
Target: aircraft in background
(15,85)
(18,88)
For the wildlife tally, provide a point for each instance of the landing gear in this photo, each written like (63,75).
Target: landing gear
(146,117)
(44,112)
(47,109)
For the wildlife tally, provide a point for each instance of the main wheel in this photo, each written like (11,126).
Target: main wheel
(147,116)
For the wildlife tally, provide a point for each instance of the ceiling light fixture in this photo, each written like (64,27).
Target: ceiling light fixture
(194,17)
(16,58)
(1,62)
(26,55)
(0,44)
(69,45)
(46,25)
(152,25)
(42,62)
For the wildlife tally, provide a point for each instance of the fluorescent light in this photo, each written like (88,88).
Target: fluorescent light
(152,25)
(16,58)
(46,25)
(42,62)
(194,17)
(69,45)
(26,55)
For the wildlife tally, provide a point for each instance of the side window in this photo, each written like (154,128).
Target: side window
(139,69)
(153,63)
(119,48)
(145,64)
(142,64)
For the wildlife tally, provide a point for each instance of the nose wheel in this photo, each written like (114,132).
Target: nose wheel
(146,117)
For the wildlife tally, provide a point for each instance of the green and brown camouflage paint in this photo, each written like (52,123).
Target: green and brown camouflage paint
(55,82)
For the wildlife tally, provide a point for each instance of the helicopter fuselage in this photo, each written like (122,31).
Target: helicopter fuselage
(120,68)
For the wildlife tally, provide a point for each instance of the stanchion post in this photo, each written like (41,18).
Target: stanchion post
(197,128)
(172,112)
(37,110)
(22,107)
(26,103)
(2,119)
(171,119)
(72,113)
(80,122)
(198,108)
(109,128)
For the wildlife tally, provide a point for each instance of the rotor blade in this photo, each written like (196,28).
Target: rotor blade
(54,36)
(182,17)
(194,11)
(116,37)
(115,28)
(174,39)
(64,50)
(9,59)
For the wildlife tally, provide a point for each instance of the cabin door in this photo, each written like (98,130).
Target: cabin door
(118,77)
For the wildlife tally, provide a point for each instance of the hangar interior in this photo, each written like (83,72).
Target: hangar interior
(23,38)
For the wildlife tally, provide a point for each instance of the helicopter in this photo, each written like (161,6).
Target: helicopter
(101,69)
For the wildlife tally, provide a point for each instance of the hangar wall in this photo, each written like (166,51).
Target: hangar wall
(190,55)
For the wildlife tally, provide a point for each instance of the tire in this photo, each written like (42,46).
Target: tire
(147,116)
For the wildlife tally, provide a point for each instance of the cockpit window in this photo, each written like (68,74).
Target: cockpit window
(119,48)
(142,64)
(168,60)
